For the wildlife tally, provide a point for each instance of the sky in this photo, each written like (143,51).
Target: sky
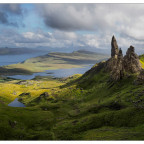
(72,26)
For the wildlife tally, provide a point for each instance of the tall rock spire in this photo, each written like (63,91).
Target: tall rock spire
(114,48)
(118,69)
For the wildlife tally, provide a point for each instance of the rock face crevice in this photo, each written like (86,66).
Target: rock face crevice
(118,65)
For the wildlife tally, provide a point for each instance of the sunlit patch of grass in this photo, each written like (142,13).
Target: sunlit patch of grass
(142,63)
(10,90)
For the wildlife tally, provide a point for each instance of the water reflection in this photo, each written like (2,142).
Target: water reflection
(59,73)
(16,103)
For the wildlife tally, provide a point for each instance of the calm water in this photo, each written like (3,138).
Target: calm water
(59,73)
(16,103)
(13,59)
(54,73)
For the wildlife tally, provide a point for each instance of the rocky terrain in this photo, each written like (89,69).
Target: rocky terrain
(120,65)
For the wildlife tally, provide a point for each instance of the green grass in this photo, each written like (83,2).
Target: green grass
(87,107)
(142,60)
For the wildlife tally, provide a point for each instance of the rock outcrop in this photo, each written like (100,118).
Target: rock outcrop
(118,65)
(118,70)
(114,48)
(131,61)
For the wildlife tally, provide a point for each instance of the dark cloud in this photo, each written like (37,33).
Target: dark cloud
(3,18)
(101,18)
(9,14)
(12,8)
(67,16)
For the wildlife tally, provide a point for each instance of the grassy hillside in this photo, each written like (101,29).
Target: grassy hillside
(87,107)
(55,61)
(141,57)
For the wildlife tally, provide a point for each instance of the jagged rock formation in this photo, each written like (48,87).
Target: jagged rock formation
(117,65)
(118,70)
(114,48)
(131,61)
(112,62)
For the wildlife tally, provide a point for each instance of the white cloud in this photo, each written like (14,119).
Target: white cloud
(111,18)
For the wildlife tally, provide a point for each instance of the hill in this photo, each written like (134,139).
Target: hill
(55,60)
(16,51)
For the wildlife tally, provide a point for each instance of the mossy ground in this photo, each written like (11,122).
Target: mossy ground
(78,108)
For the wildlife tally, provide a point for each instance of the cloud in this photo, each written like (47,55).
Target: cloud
(9,14)
(60,39)
(102,18)
(3,18)
(12,38)
(66,16)
(11,8)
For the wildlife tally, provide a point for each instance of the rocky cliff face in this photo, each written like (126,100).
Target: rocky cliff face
(131,61)
(117,65)
(118,70)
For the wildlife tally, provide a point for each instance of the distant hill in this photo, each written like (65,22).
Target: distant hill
(15,51)
(86,52)
(58,60)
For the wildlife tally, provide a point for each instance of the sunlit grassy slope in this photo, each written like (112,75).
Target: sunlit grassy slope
(87,107)
(11,89)
(56,61)
(142,60)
